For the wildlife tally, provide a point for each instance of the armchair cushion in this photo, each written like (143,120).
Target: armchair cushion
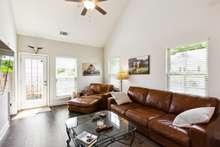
(97,88)
(84,101)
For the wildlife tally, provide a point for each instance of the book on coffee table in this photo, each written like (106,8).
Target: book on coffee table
(86,139)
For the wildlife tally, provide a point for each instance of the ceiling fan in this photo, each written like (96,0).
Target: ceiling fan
(90,5)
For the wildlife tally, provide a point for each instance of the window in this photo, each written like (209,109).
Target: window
(187,69)
(66,73)
(114,68)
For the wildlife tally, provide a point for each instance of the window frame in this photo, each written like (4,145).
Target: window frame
(76,86)
(168,73)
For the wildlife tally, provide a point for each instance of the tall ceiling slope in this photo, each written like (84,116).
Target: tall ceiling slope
(46,18)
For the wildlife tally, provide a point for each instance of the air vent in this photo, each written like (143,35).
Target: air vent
(63,33)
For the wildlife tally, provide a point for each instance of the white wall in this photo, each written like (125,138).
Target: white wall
(83,54)
(148,27)
(7,24)
(4,115)
(8,36)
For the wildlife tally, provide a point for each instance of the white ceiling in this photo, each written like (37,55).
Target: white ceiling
(46,18)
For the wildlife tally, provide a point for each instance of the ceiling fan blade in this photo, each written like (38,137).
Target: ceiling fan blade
(103,12)
(84,11)
(74,0)
(31,46)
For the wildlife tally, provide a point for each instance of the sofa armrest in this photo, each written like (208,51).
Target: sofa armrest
(206,135)
(103,102)
(111,101)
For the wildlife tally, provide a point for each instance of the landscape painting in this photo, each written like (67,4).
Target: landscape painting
(139,65)
(90,69)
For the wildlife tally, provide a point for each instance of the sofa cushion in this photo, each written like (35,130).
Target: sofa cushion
(142,115)
(159,99)
(182,102)
(138,94)
(121,109)
(163,126)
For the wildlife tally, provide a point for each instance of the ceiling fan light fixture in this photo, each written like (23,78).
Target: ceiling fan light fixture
(89,4)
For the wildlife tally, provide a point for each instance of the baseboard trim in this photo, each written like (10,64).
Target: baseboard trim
(58,103)
(4,130)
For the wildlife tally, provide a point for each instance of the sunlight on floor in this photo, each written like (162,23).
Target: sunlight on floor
(31,113)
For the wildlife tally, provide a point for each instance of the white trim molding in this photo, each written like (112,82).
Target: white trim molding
(4,130)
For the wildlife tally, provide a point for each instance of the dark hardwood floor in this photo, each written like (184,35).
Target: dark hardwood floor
(48,130)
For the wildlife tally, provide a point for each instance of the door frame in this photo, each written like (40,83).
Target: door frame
(20,99)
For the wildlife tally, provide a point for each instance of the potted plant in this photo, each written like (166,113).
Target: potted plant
(6,68)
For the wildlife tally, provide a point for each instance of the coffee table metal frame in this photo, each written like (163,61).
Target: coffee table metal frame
(130,134)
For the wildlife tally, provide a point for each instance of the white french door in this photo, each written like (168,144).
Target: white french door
(34,81)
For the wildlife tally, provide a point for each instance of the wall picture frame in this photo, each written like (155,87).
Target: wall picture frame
(90,69)
(139,65)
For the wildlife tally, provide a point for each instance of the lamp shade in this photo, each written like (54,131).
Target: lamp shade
(122,75)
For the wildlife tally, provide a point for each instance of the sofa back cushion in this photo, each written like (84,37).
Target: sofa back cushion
(159,99)
(99,88)
(183,102)
(138,94)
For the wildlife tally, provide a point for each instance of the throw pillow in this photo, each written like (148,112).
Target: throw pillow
(121,98)
(194,116)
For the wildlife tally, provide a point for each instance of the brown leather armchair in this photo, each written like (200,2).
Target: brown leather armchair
(93,98)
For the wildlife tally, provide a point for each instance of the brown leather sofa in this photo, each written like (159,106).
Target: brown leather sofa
(93,98)
(153,112)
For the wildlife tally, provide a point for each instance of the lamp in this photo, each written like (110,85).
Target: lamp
(122,75)
(89,4)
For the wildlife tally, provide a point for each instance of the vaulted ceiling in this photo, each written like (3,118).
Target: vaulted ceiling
(46,18)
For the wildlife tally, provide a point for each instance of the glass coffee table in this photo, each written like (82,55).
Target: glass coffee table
(121,129)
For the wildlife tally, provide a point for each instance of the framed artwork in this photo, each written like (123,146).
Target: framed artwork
(90,69)
(139,65)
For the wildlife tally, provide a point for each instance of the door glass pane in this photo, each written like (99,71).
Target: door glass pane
(34,78)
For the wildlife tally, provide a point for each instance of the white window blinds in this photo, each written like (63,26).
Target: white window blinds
(66,73)
(187,69)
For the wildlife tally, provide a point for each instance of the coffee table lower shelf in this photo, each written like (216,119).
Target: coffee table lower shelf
(104,143)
